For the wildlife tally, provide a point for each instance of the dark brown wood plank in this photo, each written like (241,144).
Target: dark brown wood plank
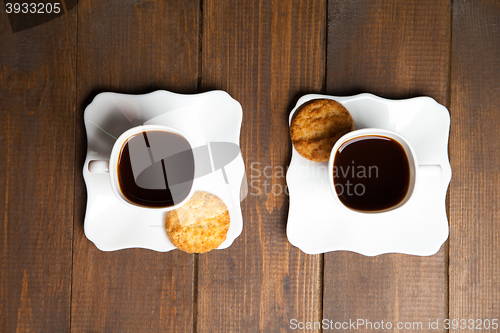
(474,147)
(132,47)
(266,54)
(37,99)
(395,49)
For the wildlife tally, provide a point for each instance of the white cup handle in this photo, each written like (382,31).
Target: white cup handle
(97,166)
(431,170)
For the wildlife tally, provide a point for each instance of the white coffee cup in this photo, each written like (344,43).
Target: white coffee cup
(111,166)
(414,168)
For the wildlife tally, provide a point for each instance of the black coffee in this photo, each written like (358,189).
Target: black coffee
(156,169)
(371,173)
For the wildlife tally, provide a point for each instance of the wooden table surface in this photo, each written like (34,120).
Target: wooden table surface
(265,54)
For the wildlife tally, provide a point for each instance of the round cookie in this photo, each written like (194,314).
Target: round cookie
(316,126)
(200,225)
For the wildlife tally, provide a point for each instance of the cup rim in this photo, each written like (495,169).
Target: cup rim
(113,161)
(372,131)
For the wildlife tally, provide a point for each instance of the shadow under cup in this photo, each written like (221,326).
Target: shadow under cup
(372,171)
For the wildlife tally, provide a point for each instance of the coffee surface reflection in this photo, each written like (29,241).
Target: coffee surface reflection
(371,173)
(156,169)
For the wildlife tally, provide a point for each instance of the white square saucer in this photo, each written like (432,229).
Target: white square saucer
(208,118)
(316,224)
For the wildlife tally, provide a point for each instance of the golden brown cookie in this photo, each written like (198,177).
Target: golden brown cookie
(200,225)
(317,125)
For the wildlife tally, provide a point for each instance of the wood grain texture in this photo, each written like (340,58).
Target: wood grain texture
(474,147)
(394,49)
(266,54)
(37,98)
(132,47)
